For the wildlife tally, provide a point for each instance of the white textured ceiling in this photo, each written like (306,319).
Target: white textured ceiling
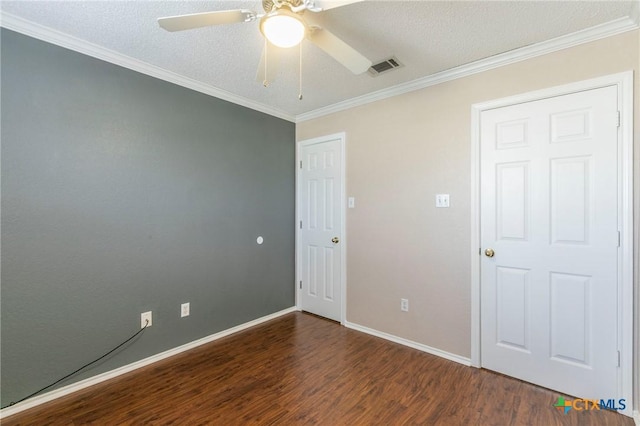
(426,36)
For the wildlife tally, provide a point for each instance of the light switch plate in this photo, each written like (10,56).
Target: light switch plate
(442,200)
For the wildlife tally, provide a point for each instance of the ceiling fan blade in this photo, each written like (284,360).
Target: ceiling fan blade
(197,20)
(273,60)
(329,4)
(339,50)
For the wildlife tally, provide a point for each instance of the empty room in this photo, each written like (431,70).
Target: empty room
(327,212)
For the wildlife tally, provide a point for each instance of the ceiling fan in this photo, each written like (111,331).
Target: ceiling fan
(285,24)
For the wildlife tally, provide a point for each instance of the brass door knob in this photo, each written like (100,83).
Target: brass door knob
(335,240)
(489,252)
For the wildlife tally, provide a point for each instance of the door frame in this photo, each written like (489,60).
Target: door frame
(624,84)
(341,137)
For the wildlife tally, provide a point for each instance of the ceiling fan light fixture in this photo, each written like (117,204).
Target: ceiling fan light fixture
(283,28)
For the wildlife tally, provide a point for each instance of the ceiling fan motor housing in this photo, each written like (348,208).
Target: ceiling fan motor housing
(271,5)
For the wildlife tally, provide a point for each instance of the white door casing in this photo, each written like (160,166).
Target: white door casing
(320,226)
(554,305)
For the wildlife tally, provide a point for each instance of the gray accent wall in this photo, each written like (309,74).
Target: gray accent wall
(122,193)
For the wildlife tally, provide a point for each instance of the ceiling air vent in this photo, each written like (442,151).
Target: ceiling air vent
(384,66)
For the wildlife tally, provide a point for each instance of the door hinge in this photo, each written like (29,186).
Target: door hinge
(301,160)
(619,119)
(618,358)
(619,238)
(479,251)
(300,284)
(300,224)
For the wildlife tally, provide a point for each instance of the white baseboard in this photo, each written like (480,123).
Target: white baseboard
(636,417)
(74,387)
(415,345)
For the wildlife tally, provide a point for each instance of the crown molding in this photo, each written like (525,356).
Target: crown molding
(597,32)
(67,41)
(49,35)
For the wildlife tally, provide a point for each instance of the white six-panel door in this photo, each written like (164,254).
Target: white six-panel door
(549,213)
(320,242)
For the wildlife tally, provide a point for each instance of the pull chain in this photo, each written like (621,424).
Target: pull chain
(300,73)
(265,83)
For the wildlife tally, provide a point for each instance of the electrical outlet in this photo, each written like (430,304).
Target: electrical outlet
(404,305)
(144,317)
(184,310)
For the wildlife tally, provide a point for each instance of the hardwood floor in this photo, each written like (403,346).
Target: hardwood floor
(301,369)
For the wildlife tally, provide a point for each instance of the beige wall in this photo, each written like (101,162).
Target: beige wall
(401,152)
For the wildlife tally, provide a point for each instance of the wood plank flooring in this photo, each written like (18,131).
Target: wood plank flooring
(303,370)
